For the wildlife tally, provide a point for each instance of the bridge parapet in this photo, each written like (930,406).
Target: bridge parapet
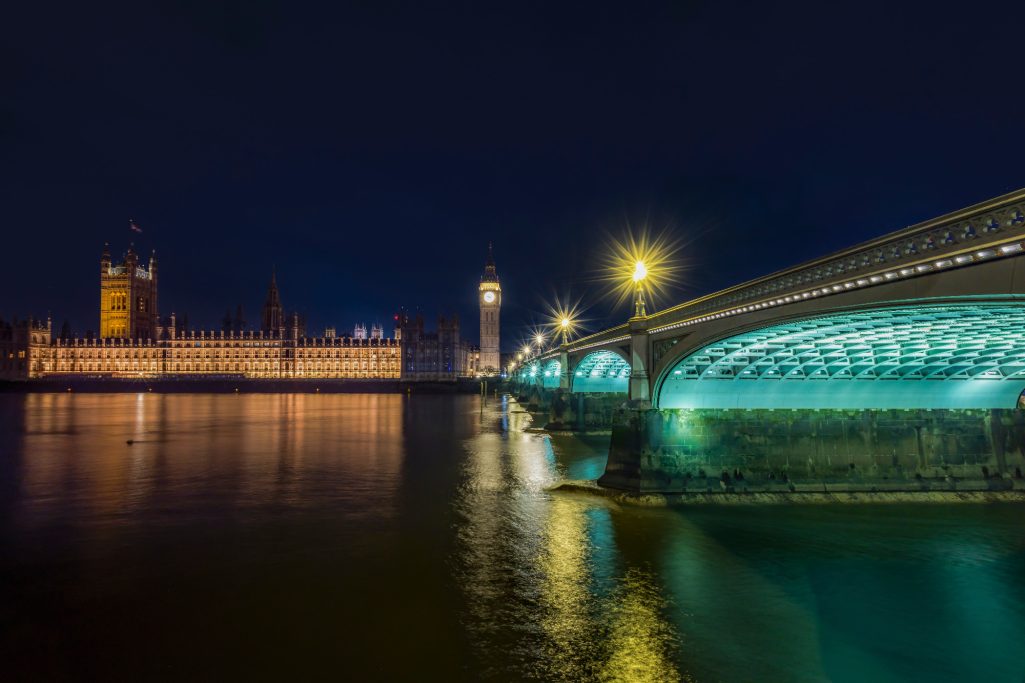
(985,231)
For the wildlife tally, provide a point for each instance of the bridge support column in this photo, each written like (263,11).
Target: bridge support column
(633,454)
(811,450)
(564,367)
(640,389)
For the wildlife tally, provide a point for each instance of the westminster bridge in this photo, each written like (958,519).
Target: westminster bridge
(896,362)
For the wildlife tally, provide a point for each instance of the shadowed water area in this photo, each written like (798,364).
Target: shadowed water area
(343,536)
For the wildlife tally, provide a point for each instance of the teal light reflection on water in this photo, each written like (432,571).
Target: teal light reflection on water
(849,593)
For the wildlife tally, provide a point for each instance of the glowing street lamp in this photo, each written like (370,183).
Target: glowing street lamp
(640,273)
(564,324)
(539,339)
(564,318)
(641,266)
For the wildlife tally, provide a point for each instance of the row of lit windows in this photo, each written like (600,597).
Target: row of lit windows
(203,342)
(220,367)
(97,353)
(326,353)
(117,362)
(356,347)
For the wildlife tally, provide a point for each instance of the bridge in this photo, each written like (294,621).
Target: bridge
(930,318)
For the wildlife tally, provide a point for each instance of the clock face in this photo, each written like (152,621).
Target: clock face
(489,297)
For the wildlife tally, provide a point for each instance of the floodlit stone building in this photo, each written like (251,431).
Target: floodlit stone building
(490,293)
(128,297)
(21,343)
(134,342)
(217,354)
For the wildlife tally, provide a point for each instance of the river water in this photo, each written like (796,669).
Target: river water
(383,537)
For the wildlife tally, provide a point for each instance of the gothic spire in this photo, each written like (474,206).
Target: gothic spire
(490,273)
(273,312)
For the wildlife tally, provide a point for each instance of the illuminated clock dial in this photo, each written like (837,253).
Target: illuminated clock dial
(489,297)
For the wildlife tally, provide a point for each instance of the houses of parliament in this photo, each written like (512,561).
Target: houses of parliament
(135,342)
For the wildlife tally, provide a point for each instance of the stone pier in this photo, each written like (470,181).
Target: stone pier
(711,450)
(559,409)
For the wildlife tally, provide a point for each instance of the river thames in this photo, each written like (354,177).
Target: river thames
(314,536)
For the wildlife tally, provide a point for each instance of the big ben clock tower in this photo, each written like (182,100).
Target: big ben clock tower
(490,306)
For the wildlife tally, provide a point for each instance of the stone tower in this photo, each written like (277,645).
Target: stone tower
(273,313)
(490,293)
(128,297)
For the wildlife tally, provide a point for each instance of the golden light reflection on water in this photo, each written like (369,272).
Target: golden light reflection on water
(619,636)
(640,639)
(547,566)
(112,454)
(565,590)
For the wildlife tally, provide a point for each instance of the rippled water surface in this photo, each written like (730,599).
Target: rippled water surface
(380,536)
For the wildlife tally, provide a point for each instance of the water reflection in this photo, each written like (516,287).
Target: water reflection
(641,641)
(394,537)
(109,456)
(567,617)
(548,592)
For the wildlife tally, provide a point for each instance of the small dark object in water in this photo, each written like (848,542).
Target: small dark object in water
(130,442)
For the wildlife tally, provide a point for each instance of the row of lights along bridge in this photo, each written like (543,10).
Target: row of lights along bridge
(631,272)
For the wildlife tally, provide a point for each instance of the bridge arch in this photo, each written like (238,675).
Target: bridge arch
(602,371)
(548,371)
(526,374)
(915,355)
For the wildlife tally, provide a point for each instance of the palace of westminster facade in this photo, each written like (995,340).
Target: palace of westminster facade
(134,342)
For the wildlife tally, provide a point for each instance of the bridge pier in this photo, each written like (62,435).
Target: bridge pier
(700,450)
(633,449)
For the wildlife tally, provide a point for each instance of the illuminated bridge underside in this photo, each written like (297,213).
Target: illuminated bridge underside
(601,372)
(550,374)
(951,356)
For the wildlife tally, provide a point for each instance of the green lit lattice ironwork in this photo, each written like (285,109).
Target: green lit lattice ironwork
(550,374)
(949,356)
(601,372)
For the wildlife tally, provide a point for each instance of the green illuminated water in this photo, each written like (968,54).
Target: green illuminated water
(379,537)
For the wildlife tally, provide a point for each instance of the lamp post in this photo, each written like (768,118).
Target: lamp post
(640,272)
(565,326)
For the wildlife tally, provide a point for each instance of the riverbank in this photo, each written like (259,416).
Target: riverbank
(806,494)
(230,385)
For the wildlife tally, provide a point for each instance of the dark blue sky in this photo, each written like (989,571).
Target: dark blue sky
(370,151)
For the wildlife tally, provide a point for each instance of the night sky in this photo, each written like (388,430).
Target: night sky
(371,151)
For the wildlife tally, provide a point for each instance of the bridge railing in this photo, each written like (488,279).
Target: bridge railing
(991,229)
(967,235)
